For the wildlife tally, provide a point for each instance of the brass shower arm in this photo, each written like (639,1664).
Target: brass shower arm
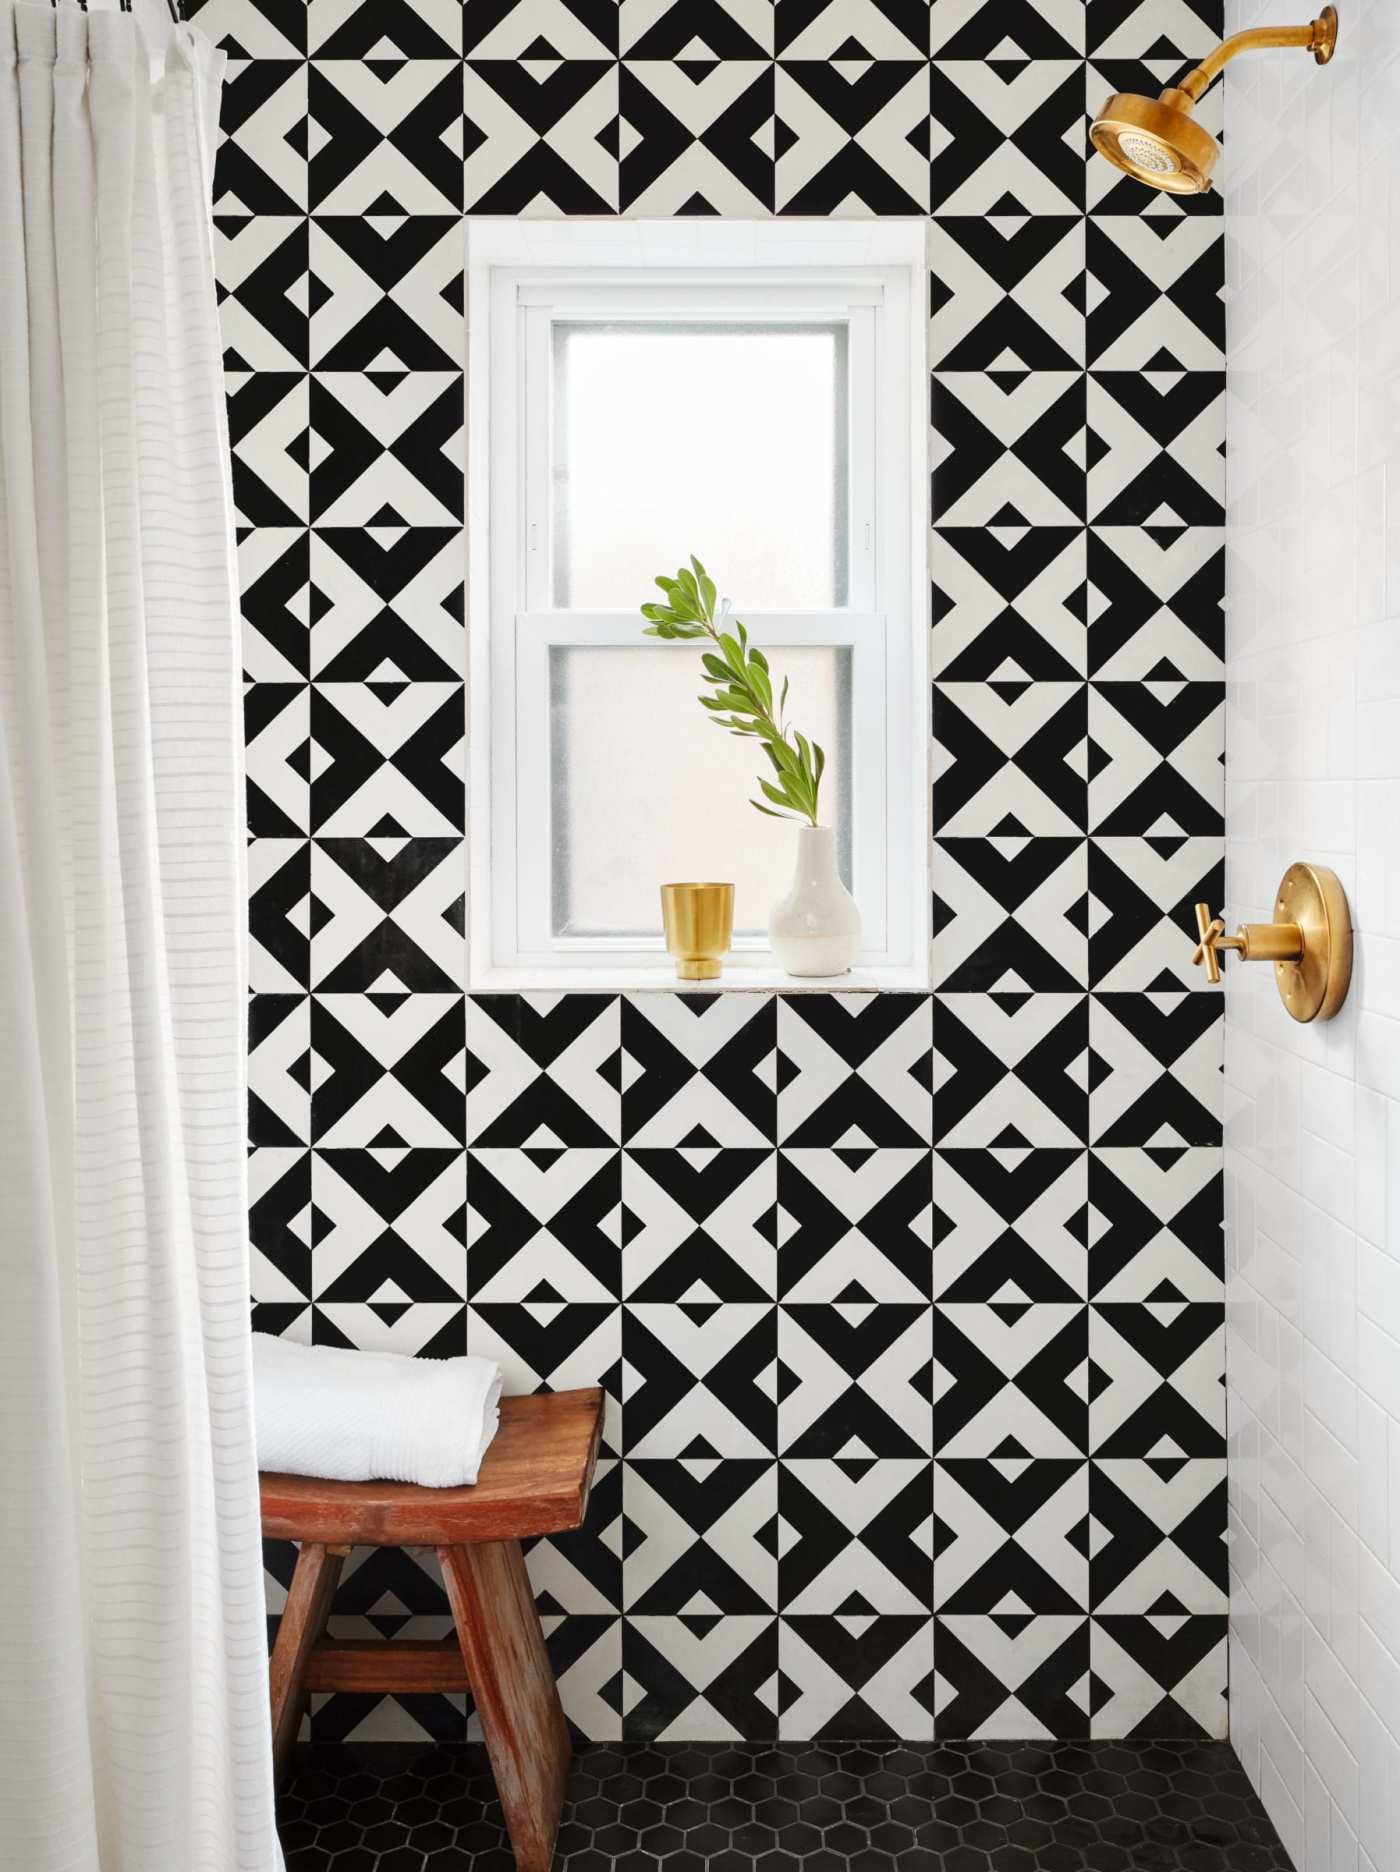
(1158,141)
(1318,37)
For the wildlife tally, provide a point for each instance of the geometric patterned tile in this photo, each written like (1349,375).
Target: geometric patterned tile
(279,915)
(585,1655)
(696,135)
(387,916)
(1011,1382)
(1012,1676)
(388,292)
(1012,1536)
(1154,603)
(543,1345)
(1159,1539)
(387,757)
(538,131)
(855,1070)
(387,1070)
(1012,1070)
(385,131)
(854,1380)
(1010,762)
(387,606)
(856,1675)
(853,141)
(1141,900)
(548,1231)
(1009,453)
(276,731)
(1157,768)
(854,1223)
(1155,1222)
(279,1069)
(698,1069)
(1160,1675)
(699,1225)
(1011,915)
(1006,132)
(281,1227)
(1158,1379)
(1009,602)
(701,1678)
(1009,293)
(699,1378)
(1157,1068)
(1157,303)
(273,574)
(581,1572)
(543,1071)
(700,1536)
(388,1228)
(856,1537)
(1016,1227)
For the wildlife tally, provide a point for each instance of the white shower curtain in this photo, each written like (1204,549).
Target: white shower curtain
(133,1676)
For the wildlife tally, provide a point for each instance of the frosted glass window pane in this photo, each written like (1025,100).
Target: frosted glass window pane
(727,441)
(646,791)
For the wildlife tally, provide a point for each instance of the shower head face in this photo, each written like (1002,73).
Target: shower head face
(1155,143)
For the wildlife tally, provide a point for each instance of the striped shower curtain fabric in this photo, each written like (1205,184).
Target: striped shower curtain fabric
(133,1678)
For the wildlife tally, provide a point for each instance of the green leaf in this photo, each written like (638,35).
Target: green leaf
(768,812)
(782,703)
(733,655)
(708,593)
(757,656)
(821,764)
(769,791)
(713,666)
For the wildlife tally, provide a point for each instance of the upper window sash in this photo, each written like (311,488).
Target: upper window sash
(782,301)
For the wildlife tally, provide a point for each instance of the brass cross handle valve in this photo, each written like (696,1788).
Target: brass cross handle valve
(1309,943)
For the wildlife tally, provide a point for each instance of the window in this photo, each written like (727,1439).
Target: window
(638,392)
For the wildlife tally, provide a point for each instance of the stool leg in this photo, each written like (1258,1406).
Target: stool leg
(308,1601)
(521,1718)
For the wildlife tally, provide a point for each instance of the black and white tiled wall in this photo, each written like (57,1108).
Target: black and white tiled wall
(909,1307)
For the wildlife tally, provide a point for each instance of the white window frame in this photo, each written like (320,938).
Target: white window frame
(522,275)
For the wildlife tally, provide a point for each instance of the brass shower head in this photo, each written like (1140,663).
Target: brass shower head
(1159,142)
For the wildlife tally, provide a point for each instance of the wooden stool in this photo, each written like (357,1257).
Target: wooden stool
(534,1480)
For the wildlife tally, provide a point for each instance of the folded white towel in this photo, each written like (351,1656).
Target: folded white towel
(372,1416)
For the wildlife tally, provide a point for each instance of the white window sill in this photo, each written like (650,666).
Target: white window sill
(758,977)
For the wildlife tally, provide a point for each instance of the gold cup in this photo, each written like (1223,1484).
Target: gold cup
(699,923)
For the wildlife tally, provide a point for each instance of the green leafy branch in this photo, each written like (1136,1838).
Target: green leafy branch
(742,701)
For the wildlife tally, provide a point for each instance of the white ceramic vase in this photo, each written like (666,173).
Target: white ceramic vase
(815,929)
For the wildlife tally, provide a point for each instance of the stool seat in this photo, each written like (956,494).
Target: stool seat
(534,1480)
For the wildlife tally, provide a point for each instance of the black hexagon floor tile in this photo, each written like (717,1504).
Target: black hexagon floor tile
(887,1807)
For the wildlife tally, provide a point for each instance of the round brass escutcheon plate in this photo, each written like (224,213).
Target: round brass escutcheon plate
(1327,35)
(1312,897)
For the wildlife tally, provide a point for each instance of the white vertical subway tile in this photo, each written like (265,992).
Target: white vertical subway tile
(1373,1476)
(1312,1142)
